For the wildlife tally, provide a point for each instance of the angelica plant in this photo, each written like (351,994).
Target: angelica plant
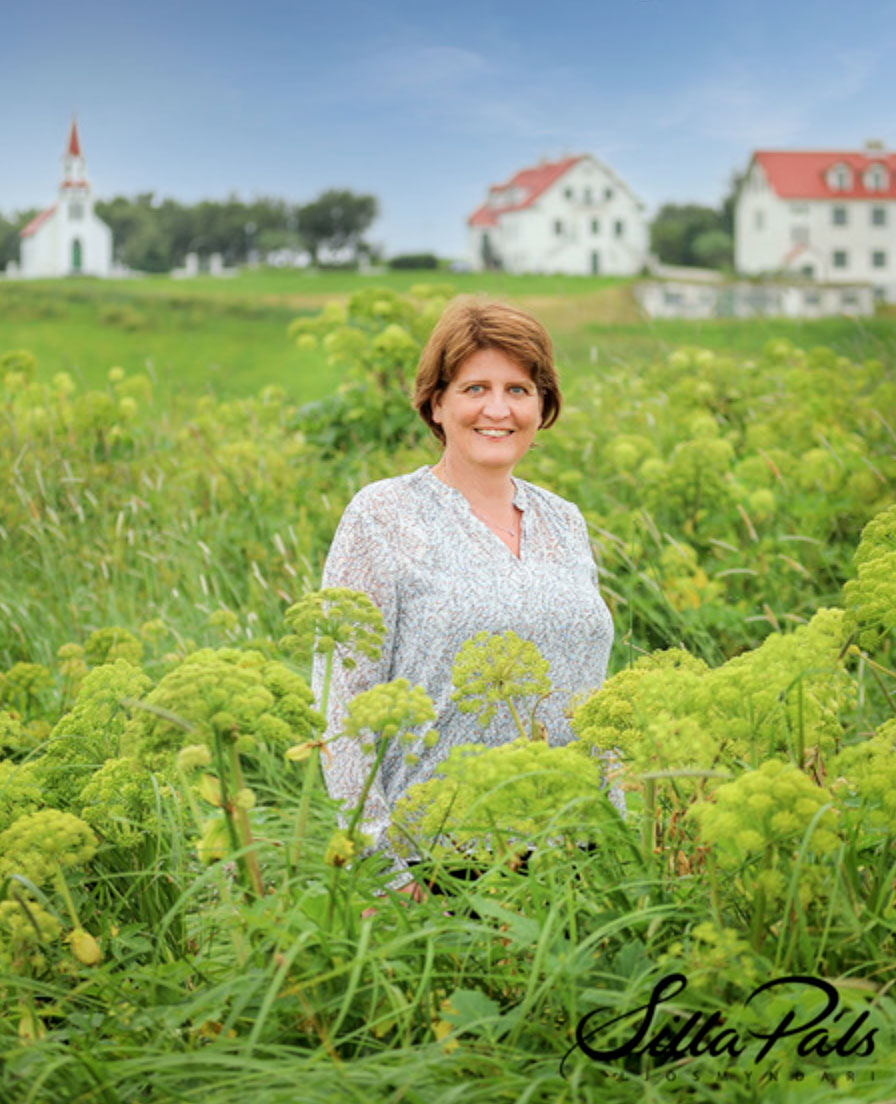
(90,732)
(495,668)
(487,798)
(110,643)
(26,931)
(331,621)
(870,598)
(23,685)
(391,711)
(865,780)
(40,847)
(759,824)
(119,801)
(237,704)
(20,790)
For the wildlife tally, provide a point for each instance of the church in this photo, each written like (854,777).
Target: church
(68,239)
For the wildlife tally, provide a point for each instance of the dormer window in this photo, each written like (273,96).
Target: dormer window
(875,178)
(840,177)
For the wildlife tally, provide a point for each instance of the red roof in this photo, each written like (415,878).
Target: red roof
(37,222)
(74,146)
(804,175)
(521,190)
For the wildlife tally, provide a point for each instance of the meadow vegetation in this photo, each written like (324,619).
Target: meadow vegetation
(181,914)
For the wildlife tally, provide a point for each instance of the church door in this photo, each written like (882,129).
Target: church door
(76,255)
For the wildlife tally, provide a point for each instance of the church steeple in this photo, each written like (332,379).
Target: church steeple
(74,166)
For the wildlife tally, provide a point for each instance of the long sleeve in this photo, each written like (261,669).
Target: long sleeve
(439,575)
(357,559)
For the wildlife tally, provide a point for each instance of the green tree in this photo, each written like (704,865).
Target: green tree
(336,220)
(713,249)
(10,228)
(676,228)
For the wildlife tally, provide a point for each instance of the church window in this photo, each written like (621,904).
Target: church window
(76,210)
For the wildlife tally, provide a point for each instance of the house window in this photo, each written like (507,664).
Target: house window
(876,178)
(878,216)
(568,193)
(595,226)
(558,226)
(839,258)
(799,235)
(618,228)
(840,178)
(608,193)
(879,259)
(759,220)
(838,216)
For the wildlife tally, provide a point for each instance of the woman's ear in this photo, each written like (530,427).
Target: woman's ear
(435,407)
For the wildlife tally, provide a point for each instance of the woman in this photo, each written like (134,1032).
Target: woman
(462,546)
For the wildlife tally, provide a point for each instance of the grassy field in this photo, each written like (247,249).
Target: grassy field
(228,336)
(181,918)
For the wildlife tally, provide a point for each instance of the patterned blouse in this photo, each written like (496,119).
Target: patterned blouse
(439,575)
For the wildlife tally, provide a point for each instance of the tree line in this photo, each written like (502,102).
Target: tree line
(156,236)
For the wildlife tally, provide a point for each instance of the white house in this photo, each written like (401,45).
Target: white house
(828,216)
(574,216)
(68,237)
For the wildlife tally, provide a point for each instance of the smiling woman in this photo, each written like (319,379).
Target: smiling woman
(463,546)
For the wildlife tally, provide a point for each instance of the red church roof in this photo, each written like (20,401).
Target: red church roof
(804,174)
(521,190)
(37,222)
(74,146)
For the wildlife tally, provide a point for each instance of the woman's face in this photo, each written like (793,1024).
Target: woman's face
(489,412)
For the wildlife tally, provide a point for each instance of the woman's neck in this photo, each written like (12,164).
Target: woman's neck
(482,488)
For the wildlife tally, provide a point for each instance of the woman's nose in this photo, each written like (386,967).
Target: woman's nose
(496,404)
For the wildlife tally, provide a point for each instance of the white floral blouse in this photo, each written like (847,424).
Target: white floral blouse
(439,575)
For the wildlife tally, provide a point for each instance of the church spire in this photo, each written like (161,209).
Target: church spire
(74,166)
(74,146)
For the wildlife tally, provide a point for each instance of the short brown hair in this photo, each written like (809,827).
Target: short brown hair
(469,325)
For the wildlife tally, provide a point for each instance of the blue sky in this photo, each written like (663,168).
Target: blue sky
(426,105)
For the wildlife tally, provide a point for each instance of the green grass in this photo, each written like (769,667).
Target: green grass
(228,336)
